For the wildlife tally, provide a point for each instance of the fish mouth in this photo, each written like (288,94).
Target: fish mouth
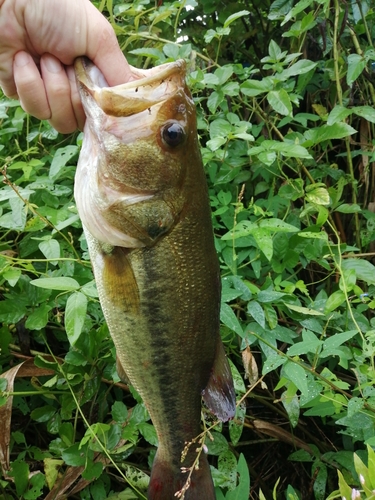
(145,89)
(129,175)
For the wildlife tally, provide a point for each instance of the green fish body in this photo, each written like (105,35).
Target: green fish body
(142,196)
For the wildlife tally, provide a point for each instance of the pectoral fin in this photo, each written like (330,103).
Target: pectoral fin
(219,394)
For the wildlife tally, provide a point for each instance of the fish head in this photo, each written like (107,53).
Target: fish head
(134,173)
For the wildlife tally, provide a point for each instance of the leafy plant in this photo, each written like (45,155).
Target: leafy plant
(285,96)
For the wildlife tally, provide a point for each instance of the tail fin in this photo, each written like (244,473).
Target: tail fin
(167,480)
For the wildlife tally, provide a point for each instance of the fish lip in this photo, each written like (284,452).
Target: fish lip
(146,88)
(85,70)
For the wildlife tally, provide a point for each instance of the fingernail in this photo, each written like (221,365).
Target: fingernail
(22,59)
(53,65)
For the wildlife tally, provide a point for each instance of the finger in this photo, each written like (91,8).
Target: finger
(58,90)
(106,54)
(75,98)
(30,86)
(9,87)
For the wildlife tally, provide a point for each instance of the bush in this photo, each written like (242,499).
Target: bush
(285,98)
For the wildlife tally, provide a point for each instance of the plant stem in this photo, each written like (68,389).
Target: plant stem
(336,42)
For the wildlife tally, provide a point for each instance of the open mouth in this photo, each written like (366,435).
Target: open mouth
(147,88)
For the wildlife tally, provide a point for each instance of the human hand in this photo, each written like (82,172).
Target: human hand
(39,40)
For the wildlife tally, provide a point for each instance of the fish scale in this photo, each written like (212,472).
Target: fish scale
(154,260)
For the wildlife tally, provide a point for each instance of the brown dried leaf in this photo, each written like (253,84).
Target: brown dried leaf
(250,365)
(281,434)
(24,369)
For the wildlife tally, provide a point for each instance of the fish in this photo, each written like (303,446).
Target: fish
(142,196)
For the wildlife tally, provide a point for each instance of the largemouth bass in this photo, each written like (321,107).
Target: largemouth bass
(142,196)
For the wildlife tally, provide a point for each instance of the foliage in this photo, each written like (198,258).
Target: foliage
(285,98)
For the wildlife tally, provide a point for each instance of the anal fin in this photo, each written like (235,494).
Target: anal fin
(219,393)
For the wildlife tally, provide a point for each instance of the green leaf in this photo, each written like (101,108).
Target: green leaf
(321,235)
(220,128)
(127,494)
(338,339)
(75,314)
(235,16)
(218,445)
(318,195)
(273,362)
(290,150)
(348,208)
(39,318)
(265,296)
(300,456)
(296,374)
(242,490)
(364,270)
(224,73)
(303,310)
(366,112)
(239,384)
(12,275)
(264,241)
(319,470)
(62,283)
(291,405)
(227,465)
(279,8)
(7,193)
(59,161)
(214,100)
(356,64)
(274,51)
(149,433)
(279,101)
(236,424)
(277,226)
(299,7)
(229,319)
(216,143)
(136,477)
(329,132)
(119,412)
(92,471)
(253,88)
(267,157)
(50,249)
(355,405)
(256,311)
(43,414)
(209,35)
(334,301)
(345,489)
(20,471)
(90,289)
(300,67)
(347,280)
(36,485)
(148,52)
(338,114)
(310,343)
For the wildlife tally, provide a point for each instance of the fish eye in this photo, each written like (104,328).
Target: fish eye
(173,134)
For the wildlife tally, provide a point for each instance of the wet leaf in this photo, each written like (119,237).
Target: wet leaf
(62,283)
(75,313)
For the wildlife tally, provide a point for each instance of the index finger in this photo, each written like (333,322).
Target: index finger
(107,56)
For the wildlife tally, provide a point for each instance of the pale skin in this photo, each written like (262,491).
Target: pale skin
(39,40)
